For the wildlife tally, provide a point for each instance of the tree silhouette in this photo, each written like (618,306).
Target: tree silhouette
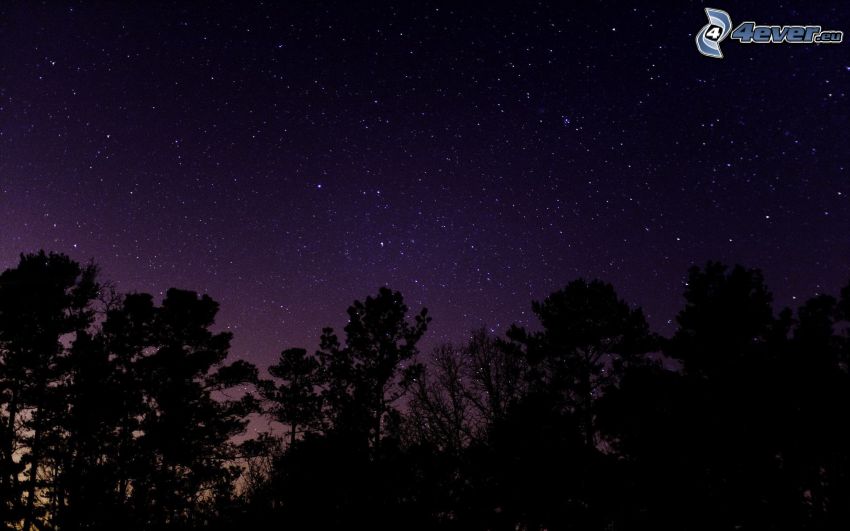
(814,398)
(463,390)
(728,316)
(460,396)
(121,412)
(186,432)
(588,336)
(366,376)
(295,401)
(111,422)
(42,301)
(726,341)
(441,413)
(497,375)
(88,459)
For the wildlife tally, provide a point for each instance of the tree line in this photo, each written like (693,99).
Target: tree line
(118,411)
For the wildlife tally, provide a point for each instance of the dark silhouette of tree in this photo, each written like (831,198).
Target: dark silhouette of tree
(589,334)
(648,424)
(728,316)
(295,401)
(461,393)
(118,412)
(441,412)
(43,301)
(746,436)
(87,497)
(815,452)
(497,375)
(725,341)
(463,390)
(127,334)
(539,469)
(367,375)
(186,432)
(112,422)
(348,474)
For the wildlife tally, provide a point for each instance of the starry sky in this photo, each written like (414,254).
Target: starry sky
(287,158)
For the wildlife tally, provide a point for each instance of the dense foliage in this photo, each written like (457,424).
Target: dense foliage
(120,412)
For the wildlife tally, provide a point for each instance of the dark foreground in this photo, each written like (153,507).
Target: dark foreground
(123,412)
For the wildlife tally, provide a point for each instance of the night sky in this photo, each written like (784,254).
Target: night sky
(287,159)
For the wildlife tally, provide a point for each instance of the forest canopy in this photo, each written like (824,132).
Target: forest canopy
(121,411)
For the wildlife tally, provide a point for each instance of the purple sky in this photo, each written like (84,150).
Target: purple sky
(287,160)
